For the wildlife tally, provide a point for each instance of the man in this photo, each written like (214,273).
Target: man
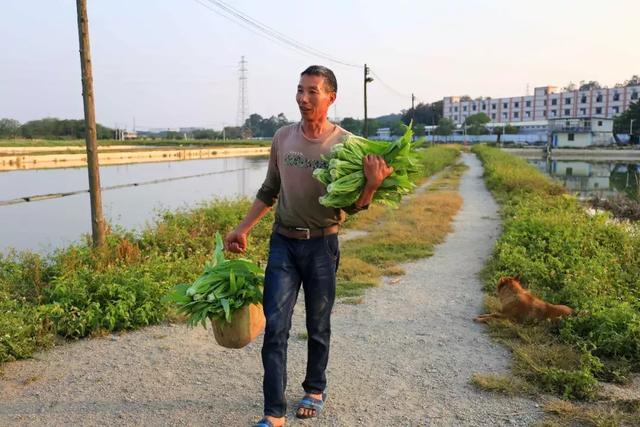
(304,243)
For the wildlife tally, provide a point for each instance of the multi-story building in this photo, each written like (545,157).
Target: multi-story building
(533,111)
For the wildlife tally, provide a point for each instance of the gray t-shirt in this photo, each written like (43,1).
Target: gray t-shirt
(289,178)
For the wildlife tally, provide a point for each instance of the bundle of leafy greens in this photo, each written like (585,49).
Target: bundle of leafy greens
(225,285)
(344,176)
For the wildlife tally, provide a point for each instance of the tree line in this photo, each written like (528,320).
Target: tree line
(49,128)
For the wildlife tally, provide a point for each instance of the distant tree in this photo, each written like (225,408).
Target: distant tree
(389,120)
(465,98)
(622,123)
(511,129)
(429,114)
(373,126)
(633,81)
(52,128)
(592,84)
(9,128)
(570,87)
(352,125)
(260,127)
(476,124)
(206,134)
(232,132)
(445,127)
(419,130)
(398,128)
(508,129)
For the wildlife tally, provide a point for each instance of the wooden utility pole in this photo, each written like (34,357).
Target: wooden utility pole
(97,218)
(367,79)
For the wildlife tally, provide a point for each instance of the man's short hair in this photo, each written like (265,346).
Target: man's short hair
(330,82)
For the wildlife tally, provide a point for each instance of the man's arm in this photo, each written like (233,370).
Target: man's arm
(375,171)
(236,241)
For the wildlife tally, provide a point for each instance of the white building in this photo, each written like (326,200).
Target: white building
(545,103)
(583,132)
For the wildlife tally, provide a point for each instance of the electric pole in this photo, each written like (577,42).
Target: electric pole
(367,79)
(97,218)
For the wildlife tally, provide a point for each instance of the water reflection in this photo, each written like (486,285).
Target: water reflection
(48,224)
(588,179)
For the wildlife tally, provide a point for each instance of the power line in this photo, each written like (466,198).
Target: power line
(252,24)
(403,95)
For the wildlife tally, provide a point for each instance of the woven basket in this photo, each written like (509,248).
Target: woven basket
(248,322)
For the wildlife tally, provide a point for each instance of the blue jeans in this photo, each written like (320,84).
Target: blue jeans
(312,263)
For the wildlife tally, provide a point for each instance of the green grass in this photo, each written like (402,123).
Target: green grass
(391,237)
(564,256)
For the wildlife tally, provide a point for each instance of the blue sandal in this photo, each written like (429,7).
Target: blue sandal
(309,402)
(264,423)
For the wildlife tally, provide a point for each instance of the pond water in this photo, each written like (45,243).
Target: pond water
(47,224)
(590,178)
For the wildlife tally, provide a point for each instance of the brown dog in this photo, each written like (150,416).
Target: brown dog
(520,306)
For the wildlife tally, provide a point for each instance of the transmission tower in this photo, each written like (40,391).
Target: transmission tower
(243,99)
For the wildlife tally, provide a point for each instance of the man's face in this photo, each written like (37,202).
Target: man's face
(313,98)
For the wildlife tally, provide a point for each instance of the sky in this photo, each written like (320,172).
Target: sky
(174,63)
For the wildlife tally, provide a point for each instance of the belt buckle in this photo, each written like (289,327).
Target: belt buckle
(306,230)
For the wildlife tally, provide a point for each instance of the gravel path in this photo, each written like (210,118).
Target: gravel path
(403,358)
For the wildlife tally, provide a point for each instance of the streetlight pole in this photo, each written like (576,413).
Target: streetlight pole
(631,127)
(367,79)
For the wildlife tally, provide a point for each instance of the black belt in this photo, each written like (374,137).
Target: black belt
(304,233)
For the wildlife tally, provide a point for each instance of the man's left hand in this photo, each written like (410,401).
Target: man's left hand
(375,170)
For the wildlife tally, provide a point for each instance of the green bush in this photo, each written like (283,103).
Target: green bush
(567,257)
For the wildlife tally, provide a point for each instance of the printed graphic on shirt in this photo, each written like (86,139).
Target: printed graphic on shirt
(298,160)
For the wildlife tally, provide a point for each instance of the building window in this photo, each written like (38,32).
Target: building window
(571,137)
(599,122)
(554,102)
(567,111)
(545,103)
(583,111)
(527,114)
(455,109)
(599,98)
(587,123)
(484,107)
(516,105)
(493,116)
(493,106)
(473,107)
(616,110)
(583,100)
(544,113)
(553,113)
(449,109)
(528,103)
(598,110)
(505,105)
(504,115)
(567,101)
(464,108)
(634,95)
(515,114)
(616,97)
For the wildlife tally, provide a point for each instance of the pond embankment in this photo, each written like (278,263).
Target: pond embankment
(573,153)
(17,158)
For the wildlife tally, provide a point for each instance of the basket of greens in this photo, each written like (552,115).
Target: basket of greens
(229,294)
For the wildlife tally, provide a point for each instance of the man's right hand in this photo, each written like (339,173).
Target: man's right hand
(236,241)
